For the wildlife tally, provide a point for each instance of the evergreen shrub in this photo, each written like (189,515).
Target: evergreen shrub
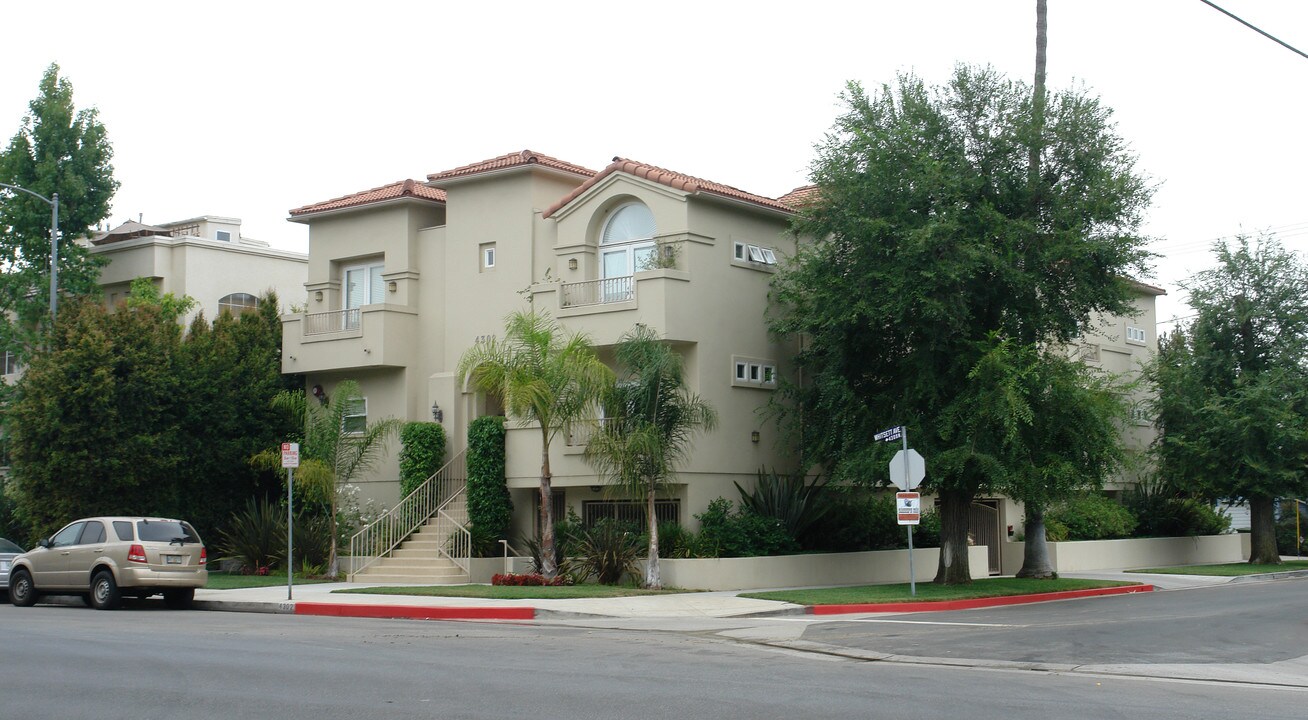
(422,454)
(1089,517)
(490,509)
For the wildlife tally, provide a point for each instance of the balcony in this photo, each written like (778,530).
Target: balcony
(598,292)
(373,336)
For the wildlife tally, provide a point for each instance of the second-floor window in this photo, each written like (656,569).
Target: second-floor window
(354,419)
(1135,334)
(627,243)
(237,303)
(11,363)
(363,285)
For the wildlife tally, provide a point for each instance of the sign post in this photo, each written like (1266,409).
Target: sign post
(907,469)
(290,461)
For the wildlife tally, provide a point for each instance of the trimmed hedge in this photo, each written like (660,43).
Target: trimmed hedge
(490,510)
(1088,517)
(422,453)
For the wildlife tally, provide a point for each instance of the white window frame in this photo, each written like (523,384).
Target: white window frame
(347,416)
(218,235)
(225,303)
(742,371)
(1136,335)
(753,372)
(11,363)
(628,248)
(488,256)
(740,251)
(367,269)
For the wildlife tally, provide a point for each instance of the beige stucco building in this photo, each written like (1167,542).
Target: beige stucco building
(206,258)
(405,277)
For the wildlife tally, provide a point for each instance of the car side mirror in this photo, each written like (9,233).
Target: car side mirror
(45,543)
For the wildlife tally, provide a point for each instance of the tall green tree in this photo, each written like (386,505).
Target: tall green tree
(94,424)
(58,149)
(649,419)
(333,450)
(924,240)
(547,378)
(1232,404)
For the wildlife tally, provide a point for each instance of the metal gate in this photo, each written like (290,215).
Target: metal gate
(983,529)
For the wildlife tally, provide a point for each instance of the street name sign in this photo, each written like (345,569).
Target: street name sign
(908,506)
(889,434)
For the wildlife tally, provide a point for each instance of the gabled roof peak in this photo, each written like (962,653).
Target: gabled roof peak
(521,158)
(392,191)
(672,179)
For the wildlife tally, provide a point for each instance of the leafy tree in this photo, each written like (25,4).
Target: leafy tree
(1058,425)
(649,418)
(60,150)
(94,425)
(331,454)
(547,378)
(1232,405)
(924,240)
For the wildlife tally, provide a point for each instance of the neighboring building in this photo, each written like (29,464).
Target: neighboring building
(204,257)
(404,278)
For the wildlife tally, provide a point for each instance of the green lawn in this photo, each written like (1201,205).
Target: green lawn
(1227,569)
(226,581)
(989,587)
(505,592)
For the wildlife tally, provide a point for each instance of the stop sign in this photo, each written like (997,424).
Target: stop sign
(916,469)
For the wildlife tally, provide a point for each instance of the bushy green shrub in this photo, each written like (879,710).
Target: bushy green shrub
(313,540)
(798,504)
(1161,512)
(862,520)
(728,533)
(256,536)
(675,541)
(421,454)
(490,509)
(1285,530)
(1089,517)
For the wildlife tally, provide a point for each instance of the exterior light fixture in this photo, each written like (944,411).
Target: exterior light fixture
(436,413)
(753,436)
(317,295)
(595,488)
(319,393)
(572,263)
(391,286)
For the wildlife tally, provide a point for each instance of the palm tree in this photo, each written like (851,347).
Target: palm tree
(545,377)
(335,448)
(649,417)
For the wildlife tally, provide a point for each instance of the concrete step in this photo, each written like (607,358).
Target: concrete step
(365,577)
(419,564)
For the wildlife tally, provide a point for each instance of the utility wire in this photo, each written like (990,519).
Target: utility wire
(1265,34)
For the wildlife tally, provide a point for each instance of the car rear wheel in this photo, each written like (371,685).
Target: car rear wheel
(179,599)
(104,591)
(22,592)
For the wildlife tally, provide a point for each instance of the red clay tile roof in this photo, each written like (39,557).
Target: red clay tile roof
(670,178)
(504,162)
(393,191)
(800,196)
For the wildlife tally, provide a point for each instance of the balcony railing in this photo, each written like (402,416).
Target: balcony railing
(598,292)
(332,321)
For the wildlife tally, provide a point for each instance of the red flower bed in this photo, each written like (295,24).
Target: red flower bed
(523,579)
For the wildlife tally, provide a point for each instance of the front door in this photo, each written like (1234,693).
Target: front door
(50,566)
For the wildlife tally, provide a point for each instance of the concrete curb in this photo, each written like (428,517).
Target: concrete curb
(1264,577)
(945,605)
(414,612)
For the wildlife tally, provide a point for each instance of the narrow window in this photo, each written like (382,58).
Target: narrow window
(487,256)
(769,375)
(756,254)
(223,236)
(355,418)
(742,371)
(769,257)
(741,253)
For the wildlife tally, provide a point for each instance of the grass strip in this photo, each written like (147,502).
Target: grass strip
(927,591)
(1227,569)
(226,581)
(507,592)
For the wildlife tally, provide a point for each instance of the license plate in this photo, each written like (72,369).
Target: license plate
(172,559)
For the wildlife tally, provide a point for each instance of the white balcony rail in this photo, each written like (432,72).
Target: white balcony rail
(598,292)
(441,499)
(321,323)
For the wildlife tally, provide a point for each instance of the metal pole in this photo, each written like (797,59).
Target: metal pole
(54,256)
(912,577)
(290,533)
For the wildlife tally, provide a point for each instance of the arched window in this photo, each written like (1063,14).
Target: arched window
(237,304)
(627,242)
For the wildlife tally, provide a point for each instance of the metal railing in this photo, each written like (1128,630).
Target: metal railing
(598,292)
(441,499)
(331,321)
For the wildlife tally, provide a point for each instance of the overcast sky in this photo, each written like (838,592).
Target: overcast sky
(248,109)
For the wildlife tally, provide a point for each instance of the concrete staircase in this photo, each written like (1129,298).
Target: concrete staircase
(417,561)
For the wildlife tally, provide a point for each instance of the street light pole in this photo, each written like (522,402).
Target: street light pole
(53,202)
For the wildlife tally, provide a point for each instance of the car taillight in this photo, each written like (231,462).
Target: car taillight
(204,556)
(136,553)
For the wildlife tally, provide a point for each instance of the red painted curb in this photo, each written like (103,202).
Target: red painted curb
(415,612)
(938,605)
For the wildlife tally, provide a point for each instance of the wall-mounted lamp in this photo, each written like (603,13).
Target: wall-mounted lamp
(595,488)
(317,295)
(391,286)
(318,392)
(572,263)
(290,357)
(436,413)
(753,436)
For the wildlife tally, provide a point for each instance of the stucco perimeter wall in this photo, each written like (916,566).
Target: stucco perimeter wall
(1089,555)
(786,571)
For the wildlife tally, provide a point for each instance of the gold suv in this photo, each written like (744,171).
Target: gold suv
(105,558)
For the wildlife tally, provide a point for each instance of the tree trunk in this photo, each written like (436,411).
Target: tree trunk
(1035,556)
(333,562)
(1262,531)
(549,566)
(653,580)
(953,568)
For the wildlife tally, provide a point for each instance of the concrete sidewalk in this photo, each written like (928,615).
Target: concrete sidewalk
(319,599)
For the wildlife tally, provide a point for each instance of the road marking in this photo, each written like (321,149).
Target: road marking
(900,622)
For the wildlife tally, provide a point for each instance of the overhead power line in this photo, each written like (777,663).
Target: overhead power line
(1264,33)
